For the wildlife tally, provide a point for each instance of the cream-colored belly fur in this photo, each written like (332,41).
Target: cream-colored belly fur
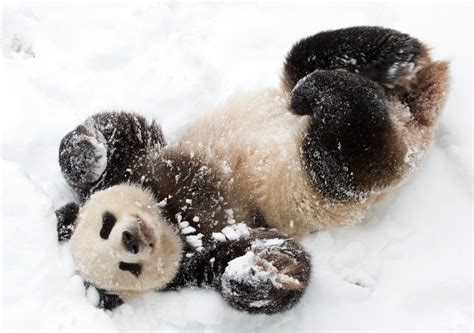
(254,141)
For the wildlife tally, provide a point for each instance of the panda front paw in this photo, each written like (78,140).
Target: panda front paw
(83,155)
(264,282)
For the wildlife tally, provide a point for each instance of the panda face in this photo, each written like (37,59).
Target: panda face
(122,243)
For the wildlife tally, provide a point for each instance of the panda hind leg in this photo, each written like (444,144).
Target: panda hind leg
(383,55)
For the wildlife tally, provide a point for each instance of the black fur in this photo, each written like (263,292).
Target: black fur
(66,216)
(107,301)
(189,187)
(369,51)
(351,146)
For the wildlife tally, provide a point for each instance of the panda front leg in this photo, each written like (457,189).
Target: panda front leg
(386,56)
(106,150)
(271,275)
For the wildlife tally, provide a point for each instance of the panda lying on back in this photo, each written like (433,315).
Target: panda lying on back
(353,118)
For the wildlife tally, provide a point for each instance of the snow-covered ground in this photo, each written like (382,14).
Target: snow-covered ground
(409,266)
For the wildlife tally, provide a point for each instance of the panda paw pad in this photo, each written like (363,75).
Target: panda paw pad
(83,156)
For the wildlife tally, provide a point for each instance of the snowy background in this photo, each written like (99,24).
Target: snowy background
(409,266)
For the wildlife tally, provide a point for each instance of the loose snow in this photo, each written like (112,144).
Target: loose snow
(407,266)
(255,271)
(234,232)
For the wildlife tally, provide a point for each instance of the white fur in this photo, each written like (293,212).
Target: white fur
(98,259)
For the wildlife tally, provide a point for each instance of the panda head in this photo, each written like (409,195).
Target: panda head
(122,244)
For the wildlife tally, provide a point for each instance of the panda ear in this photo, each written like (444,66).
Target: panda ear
(66,216)
(106,301)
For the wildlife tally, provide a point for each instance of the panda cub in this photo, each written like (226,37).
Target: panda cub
(354,116)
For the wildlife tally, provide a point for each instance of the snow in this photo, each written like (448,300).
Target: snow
(254,271)
(162,203)
(242,267)
(101,149)
(187,230)
(233,232)
(195,240)
(183,225)
(219,236)
(407,266)
(264,243)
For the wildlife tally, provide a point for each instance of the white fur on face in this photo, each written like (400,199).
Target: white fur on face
(98,259)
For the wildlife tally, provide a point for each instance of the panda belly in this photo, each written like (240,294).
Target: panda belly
(254,142)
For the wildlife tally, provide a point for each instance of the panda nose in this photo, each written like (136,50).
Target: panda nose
(131,242)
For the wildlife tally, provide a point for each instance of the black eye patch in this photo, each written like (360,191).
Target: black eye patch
(108,222)
(135,269)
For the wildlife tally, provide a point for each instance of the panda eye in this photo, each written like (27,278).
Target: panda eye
(135,269)
(108,222)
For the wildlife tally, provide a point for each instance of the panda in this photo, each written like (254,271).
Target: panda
(223,205)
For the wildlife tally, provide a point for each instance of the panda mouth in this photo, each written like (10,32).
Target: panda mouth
(134,268)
